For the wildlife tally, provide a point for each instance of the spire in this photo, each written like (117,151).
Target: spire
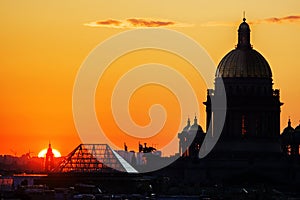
(244,35)
(188,125)
(49,160)
(289,122)
(195,120)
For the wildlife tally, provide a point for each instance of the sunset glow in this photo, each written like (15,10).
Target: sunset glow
(43,153)
(44,43)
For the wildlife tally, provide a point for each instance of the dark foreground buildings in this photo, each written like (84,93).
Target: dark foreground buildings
(290,141)
(191,139)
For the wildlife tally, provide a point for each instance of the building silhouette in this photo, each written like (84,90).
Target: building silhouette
(49,159)
(191,139)
(290,140)
(252,122)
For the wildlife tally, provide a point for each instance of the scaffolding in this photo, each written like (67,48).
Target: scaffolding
(94,158)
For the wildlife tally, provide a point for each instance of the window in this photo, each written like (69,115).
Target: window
(244,131)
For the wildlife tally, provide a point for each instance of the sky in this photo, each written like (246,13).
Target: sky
(44,43)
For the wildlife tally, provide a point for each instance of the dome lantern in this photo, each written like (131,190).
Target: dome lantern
(244,36)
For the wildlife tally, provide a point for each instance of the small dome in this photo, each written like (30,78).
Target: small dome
(187,127)
(297,134)
(288,135)
(297,129)
(196,126)
(244,26)
(289,130)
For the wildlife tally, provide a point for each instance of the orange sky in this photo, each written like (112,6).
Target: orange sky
(43,44)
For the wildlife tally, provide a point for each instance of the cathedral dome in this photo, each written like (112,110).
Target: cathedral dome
(187,127)
(244,61)
(289,129)
(288,133)
(196,126)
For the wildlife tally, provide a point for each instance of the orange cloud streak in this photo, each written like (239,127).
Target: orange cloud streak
(149,23)
(272,20)
(109,22)
(135,23)
(280,20)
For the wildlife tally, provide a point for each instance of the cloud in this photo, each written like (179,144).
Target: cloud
(109,22)
(142,23)
(135,23)
(149,23)
(272,20)
(280,20)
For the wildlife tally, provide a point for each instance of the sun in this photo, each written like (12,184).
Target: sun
(43,152)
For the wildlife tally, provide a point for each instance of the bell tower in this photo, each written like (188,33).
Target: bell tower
(49,160)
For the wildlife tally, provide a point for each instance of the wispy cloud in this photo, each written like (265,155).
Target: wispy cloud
(271,20)
(143,22)
(278,20)
(135,23)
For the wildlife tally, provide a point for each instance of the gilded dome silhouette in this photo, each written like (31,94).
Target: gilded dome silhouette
(196,126)
(244,61)
(289,129)
(288,133)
